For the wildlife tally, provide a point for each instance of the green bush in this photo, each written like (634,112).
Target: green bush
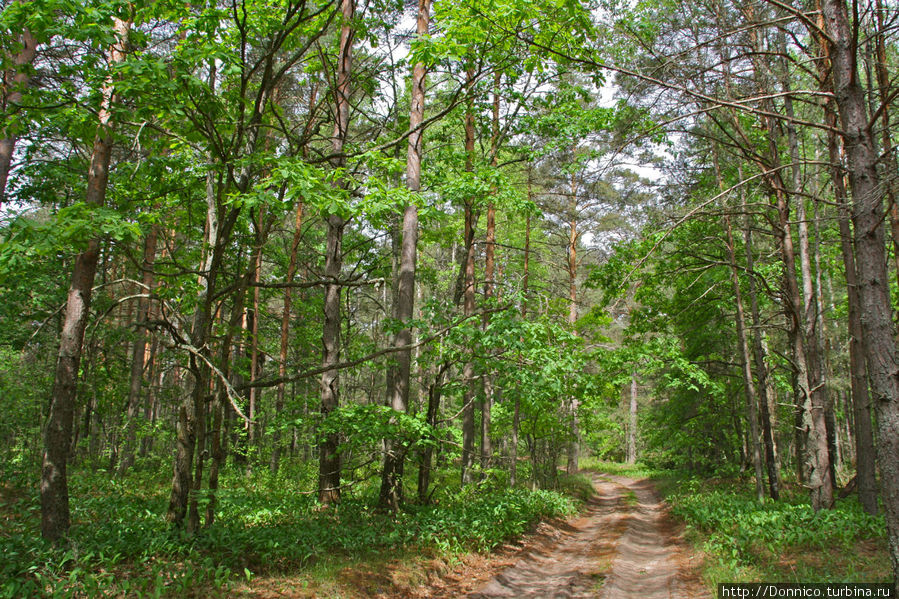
(120,544)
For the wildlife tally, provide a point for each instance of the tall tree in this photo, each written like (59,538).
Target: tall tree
(873,286)
(391,483)
(329,457)
(58,433)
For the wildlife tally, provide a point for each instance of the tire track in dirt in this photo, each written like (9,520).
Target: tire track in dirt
(621,548)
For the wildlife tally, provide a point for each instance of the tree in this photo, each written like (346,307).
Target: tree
(57,438)
(329,460)
(874,297)
(391,485)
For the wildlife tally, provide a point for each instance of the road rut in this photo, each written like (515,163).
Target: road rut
(621,548)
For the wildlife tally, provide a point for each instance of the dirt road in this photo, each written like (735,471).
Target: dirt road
(622,547)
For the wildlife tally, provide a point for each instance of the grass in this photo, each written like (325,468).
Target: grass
(748,541)
(637,470)
(268,529)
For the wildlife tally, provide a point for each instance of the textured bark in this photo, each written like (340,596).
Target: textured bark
(55,516)
(14,81)
(867,216)
(391,493)
(329,458)
(884,89)
(138,353)
(202,399)
(866,474)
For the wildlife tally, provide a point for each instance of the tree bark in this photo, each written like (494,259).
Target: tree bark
(866,473)
(822,407)
(884,88)
(435,392)
(391,494)
(867,216)
(14,81)
(55,516)
(329,458)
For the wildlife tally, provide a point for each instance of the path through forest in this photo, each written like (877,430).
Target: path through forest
(623,546)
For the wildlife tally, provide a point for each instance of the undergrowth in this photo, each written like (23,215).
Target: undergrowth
(785,540)
(120,544)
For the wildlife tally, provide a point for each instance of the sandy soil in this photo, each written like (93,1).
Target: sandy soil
(624,546)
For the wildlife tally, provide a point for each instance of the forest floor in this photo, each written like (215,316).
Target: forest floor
(624,544)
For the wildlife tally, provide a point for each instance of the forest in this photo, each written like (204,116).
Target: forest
(301,297)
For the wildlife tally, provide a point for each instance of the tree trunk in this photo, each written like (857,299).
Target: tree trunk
(468,305)
(574,439)
(758,351)
(255,355)
(435,392)
(878,329)
(392,475)
(219,433)
(138,355)
(58,432)
(15,80)
(748,383)
(185,433)
(632,422)
(884,88)
(329,458)
(274,463)
(866,474)
(822,407)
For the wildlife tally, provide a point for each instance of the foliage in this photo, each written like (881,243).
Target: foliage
(744,537)
(120,544)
